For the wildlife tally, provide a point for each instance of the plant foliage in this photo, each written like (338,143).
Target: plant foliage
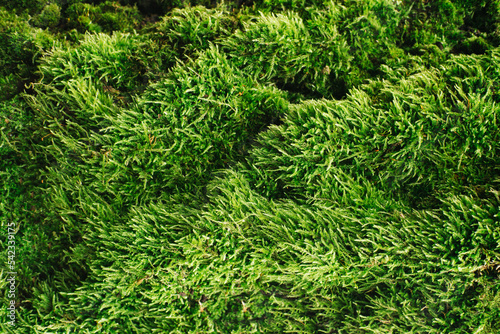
(251,166)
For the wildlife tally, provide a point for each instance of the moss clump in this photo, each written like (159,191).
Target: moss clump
(113,60)
(20,47)
(49,17)
(193,28)
(107,16)
(31,7)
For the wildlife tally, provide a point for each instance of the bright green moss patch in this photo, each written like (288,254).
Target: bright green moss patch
(251,167)
(280,49)
(113,61)
(192,29)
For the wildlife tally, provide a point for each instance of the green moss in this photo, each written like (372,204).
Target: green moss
(112,60)
(25,6)
(472,45)
(107,16)
(49,17)
(193,28)
(290,166)
(481,15)
(20,48)
(279,48)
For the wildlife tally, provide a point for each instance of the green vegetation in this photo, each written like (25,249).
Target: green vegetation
(49,17)
(251,167)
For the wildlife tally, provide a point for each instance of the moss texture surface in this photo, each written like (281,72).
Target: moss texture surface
(251,166)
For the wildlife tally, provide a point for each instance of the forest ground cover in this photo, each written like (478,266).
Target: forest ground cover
(250,166)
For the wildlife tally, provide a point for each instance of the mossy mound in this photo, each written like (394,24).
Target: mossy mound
(251,167)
